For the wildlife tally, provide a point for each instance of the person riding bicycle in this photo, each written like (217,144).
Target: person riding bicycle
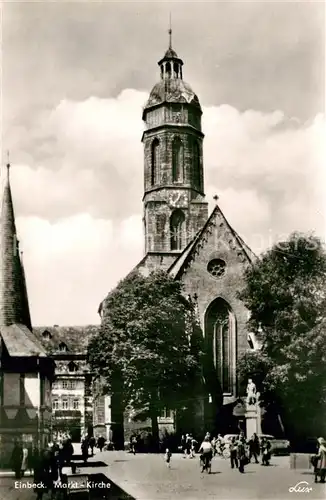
(206,456)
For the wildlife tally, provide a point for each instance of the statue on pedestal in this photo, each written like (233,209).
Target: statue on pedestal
(251,393)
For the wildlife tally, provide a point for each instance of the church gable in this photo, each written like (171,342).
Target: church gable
(217,249)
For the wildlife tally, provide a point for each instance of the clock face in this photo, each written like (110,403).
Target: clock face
(178,199)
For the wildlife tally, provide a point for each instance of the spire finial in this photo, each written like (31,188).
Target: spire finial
(8,163)
(170,33)
(215,198)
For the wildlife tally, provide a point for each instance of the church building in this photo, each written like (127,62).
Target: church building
(26,372)
(200,249)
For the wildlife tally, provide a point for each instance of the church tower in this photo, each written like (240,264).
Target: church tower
(174,200)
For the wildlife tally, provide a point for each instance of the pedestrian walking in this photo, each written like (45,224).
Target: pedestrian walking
(213,442)
(24,465)
(321,463)
(265,451)
(167,458)
(183,445)
(100,443)
(92,443)
(84,449)
(254,448)
(193,447)
(42,477)
(241,454)
(133,444)
(16,459)
(188,444)
(220,444)
(233,453)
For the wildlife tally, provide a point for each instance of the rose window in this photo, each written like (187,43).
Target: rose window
(216,268)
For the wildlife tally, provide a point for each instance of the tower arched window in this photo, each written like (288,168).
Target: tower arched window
(177,160)
(155,162)
(177,229)
(168,69)
(196,164)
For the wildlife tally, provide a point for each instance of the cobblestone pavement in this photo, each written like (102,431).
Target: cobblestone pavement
(146,477)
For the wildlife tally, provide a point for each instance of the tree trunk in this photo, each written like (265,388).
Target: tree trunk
(154,416)
(155,432)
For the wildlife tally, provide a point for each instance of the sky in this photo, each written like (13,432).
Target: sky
(75,77)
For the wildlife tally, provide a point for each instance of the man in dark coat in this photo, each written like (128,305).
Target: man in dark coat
(17,459)
(254,447)
(241,453)
(92,443)
(101,443)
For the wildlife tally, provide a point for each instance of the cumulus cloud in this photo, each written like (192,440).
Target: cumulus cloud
(79,200)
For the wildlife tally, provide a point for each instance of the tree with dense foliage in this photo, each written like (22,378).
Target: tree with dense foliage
(285,293)
(145,351)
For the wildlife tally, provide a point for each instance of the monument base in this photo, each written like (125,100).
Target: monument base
(253,419)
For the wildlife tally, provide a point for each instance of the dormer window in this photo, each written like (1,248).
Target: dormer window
(72,367)
(47,335)
(63,347)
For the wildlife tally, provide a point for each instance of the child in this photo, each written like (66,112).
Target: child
(167,457)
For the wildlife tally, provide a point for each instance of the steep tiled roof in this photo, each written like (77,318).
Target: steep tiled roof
(185,256)
(15,321)
(13,294)
(76,338)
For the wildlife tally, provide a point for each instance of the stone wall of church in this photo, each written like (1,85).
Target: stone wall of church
(197,280)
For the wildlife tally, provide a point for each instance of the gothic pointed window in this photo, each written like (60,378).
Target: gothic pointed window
(221,335)
(196,164)
(155,162)
(177,226)
(177,160)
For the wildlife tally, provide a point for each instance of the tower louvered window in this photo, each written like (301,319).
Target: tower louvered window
(177,160)
(155,162)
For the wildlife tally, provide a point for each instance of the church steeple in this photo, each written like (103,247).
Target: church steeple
(174,200)
(14,308)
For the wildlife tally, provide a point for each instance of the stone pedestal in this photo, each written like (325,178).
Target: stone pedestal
(253,419)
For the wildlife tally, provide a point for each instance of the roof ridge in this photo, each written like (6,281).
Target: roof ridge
(244,246)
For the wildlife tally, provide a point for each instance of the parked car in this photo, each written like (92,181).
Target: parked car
(280,446)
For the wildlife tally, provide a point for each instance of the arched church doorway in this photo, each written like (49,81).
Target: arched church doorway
(220,365)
